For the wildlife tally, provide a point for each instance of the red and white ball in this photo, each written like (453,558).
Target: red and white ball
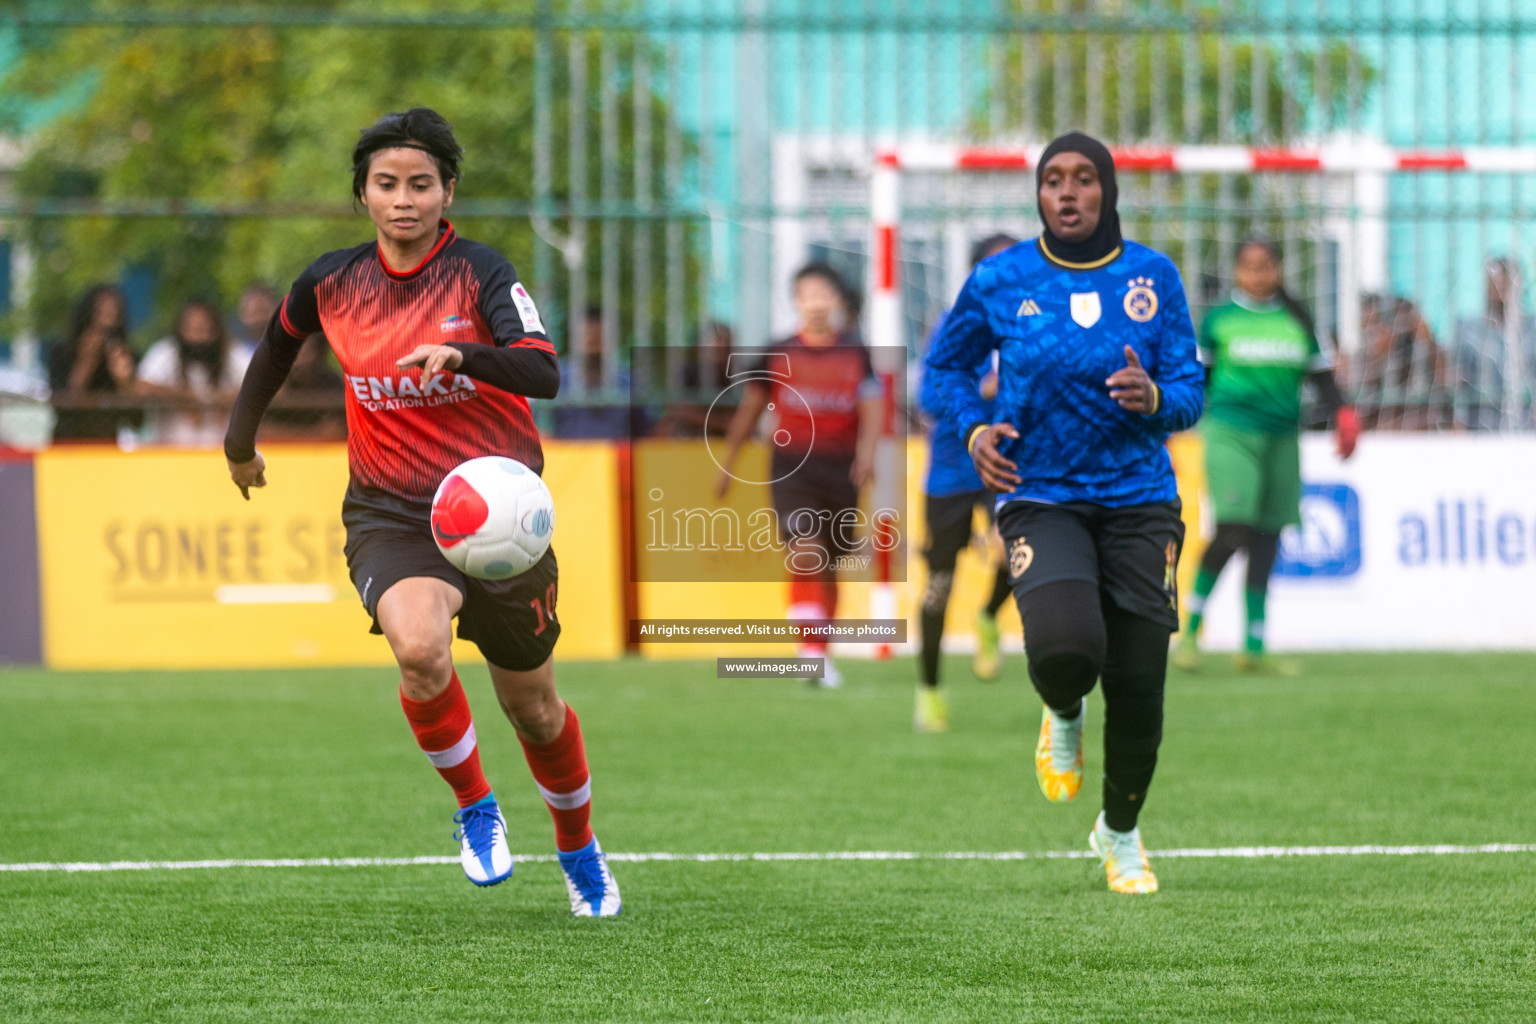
(492,518)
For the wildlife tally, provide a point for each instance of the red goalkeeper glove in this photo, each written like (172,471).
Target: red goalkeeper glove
(1346,430)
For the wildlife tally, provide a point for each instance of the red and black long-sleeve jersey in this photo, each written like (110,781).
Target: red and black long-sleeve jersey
(404,434)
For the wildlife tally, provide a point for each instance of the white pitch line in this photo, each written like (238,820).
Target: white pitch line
(1239,852)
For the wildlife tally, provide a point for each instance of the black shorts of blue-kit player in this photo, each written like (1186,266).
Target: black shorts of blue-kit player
(948,519)
(1097,590)
(809,496)
(390,539)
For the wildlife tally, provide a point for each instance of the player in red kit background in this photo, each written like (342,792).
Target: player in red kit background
(822,391)
(441,346)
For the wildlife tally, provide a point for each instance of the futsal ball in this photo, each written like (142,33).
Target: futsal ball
(492,518)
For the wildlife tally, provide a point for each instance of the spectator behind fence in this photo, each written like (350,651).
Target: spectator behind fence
(703,379)
(310,404)
(593,419)
(1398,377)
(1494,378)
(253,310)
(193,374)
(94,361)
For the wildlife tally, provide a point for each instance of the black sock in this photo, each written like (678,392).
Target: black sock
(1135,669)
(1001,591)
(1230,538)
(935,602)
(933,635)
(1073,714)
(1262,551)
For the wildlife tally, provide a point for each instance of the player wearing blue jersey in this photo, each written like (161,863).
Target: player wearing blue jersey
(951,493)
(1096,367)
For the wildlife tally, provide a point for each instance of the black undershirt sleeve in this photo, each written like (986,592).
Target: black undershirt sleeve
(522,370)
(270,365)
(1328,394)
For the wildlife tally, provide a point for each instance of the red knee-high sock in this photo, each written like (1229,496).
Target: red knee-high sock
(560,771)
(829,596)
(446,734)
(805,605)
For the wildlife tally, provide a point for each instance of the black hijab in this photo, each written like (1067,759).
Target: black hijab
(1106,236)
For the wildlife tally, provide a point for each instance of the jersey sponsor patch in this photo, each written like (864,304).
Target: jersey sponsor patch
(1085,308)
(453,322)
(1141,300)
(1291,351)
(390,394)
(527,310)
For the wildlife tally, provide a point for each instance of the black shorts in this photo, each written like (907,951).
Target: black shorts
(511,621)
(810,496)
(1131,553)
(948,519)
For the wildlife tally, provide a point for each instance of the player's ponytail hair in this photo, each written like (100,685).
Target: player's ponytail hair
(418,128)
(1292,304)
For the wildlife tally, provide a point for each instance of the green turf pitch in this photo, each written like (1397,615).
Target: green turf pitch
(1382,750)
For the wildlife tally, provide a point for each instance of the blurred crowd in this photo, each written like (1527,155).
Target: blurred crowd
(1481,379)
(177,391)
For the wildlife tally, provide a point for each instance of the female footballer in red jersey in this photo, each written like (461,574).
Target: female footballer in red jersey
(825,398)
(441,346)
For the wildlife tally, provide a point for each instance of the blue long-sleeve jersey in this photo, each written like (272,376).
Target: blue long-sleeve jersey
(950,469)
(1060,332)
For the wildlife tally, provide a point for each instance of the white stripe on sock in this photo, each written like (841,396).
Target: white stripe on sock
(568,801)
(456,754)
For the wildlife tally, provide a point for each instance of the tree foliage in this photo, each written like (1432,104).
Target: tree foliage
(269,114)
(1271,91)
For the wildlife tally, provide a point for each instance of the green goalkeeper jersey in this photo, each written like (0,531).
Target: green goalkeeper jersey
(1259,352)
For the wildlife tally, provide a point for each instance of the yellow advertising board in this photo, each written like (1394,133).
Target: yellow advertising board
(1188,454)
(724,598)
(152,560)
(691,474)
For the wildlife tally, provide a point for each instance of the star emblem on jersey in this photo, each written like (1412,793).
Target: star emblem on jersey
(1020,556)
(1085,308)
(1028,308)
(1141,300)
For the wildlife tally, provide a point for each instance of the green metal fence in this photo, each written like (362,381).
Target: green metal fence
(657,170)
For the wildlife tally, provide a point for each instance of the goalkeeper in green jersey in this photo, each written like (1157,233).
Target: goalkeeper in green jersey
(1257,350)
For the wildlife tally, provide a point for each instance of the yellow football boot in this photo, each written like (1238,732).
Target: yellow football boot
(1185,655)
(1059,755)
(1266,665)
(932,714)
(987,661)
(1124,859)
